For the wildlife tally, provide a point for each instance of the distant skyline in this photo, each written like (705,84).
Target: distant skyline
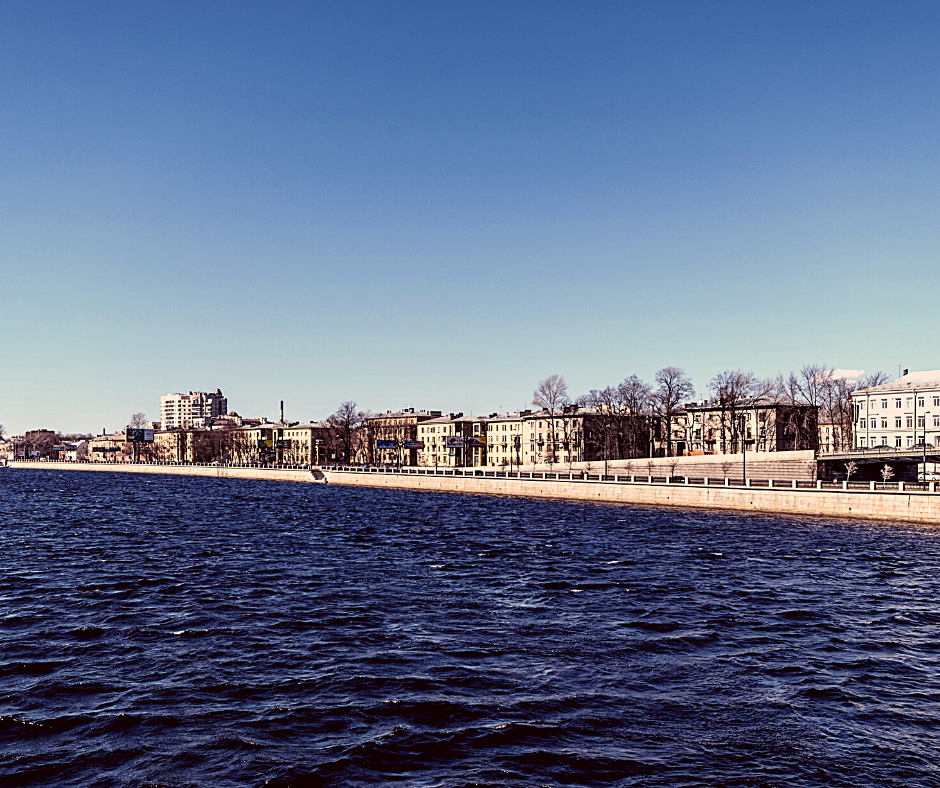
(427,205)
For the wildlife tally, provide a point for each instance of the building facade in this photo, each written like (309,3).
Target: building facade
(181,411)
(451,441)
(398,427)
(504,439)
(901,414)
(765,425)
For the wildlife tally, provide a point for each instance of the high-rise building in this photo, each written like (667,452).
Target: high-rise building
(179,411)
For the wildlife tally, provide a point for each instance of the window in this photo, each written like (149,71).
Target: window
(861,424)
(897,402)
(897,423)
(936,402)
(920,402)
(921,421)
(908,441)
(861,443)
(884,404)
(884,440)
(884,424)
(897,441)
(936,421)
(910,422)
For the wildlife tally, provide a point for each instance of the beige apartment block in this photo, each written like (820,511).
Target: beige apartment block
(901,414)
(563,438)
(833,437)
(504,439)
(302,444)
(180,411)
(400,426)
(111,447)
(434,434)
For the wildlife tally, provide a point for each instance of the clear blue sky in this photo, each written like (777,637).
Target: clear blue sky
(436,205)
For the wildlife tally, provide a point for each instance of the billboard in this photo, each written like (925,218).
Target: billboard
(386,444)
(137,435)
(456,441)
(284,443)
(413,445)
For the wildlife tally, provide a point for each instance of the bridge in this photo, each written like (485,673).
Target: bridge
(904,462)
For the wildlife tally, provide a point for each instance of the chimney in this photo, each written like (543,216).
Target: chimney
(282,411)
(905,374)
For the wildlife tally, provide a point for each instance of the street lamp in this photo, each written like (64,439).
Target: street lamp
(743,450)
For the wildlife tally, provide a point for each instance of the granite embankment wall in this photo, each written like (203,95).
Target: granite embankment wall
(799,465)
(900,504)
(917,507)
(215,471)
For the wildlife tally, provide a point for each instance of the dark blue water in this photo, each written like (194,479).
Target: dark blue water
(161,631)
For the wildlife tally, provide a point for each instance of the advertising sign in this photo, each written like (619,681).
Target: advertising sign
(386,444)
(413,445)
(137,435)
(284,443)
(456,441)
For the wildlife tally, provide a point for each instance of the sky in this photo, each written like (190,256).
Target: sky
(436,205)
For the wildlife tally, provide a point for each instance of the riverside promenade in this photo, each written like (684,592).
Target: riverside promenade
(901,501)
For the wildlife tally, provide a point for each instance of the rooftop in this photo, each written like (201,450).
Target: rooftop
(913,380)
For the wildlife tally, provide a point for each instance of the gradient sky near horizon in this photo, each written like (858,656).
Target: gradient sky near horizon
(437,204)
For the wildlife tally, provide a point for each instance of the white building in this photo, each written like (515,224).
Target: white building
(180,411)
(900,414)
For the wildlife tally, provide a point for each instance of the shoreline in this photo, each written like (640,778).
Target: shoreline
(912,506)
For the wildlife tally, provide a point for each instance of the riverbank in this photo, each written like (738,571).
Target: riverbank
(794,497)
(893,504)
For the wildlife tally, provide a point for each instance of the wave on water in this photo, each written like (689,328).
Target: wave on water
(179,631)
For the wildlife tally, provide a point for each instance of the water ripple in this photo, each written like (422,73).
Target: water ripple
(175,631)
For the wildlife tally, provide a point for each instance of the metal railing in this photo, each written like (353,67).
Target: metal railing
(581,476)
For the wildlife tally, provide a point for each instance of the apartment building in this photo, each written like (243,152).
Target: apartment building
(567,436)
(900,414)
(504,441)
(300,444)
(768,424)
(394,435)
(454,440)
(180,411)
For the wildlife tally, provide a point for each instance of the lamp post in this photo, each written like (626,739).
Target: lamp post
(605,450)
(743,451)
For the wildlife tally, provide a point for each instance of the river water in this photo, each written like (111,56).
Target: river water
(176,631)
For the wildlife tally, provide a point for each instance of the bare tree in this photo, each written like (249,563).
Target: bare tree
(673,388)
(620,423)
(850,468)
(887,473)
(3,432)
(347,422)
(737,392)
(138,421)
(811,383)
(551,396)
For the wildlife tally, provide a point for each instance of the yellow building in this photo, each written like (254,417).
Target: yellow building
(453,441)
(399,428)
(560,438)
(504,441)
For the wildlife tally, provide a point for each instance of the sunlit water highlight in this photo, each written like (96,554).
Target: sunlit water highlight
(174,631)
